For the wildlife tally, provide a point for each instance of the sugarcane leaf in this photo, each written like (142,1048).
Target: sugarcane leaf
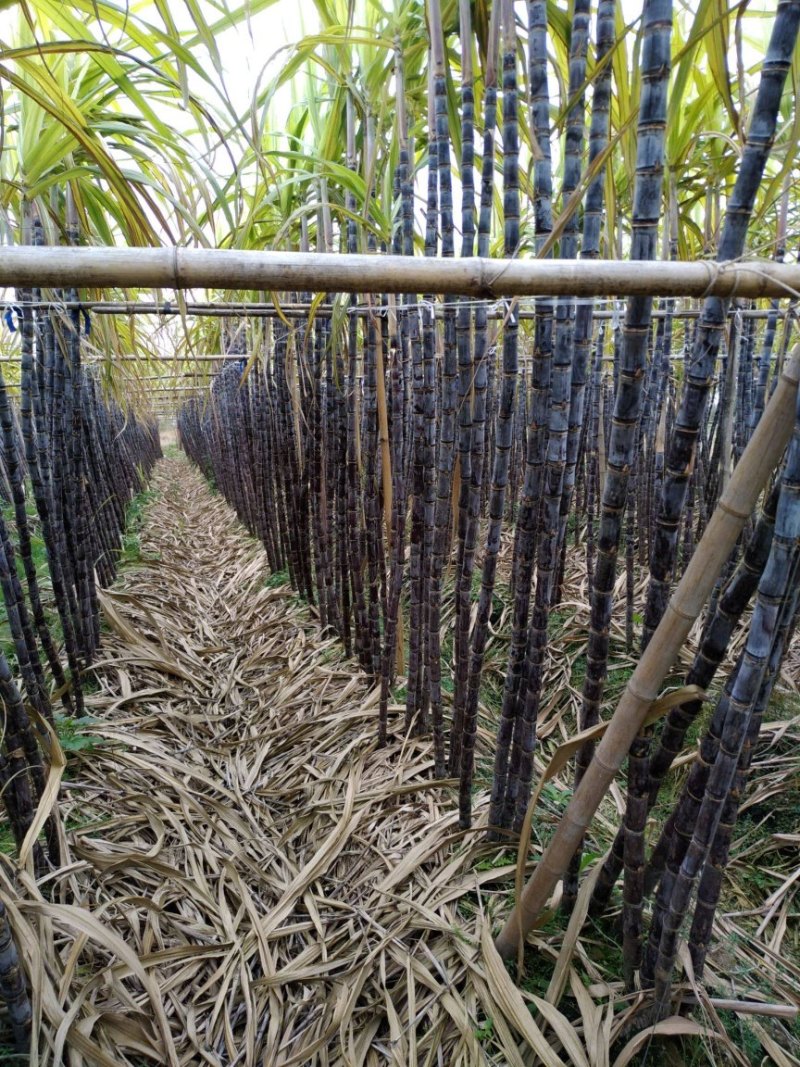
(509,998)
(675,1026)
(561,971)
(576,197)
(563,1030)
(49,797)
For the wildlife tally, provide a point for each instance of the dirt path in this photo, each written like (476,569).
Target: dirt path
(249,879)
(242,854)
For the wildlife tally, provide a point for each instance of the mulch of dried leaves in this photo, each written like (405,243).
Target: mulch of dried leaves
(251,880)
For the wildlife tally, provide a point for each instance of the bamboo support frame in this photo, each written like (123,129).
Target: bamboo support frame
(145,357)
(188,268)
(280,309)
(789,1012)
(259,309)
(149,357)
(759,459)
(160,392)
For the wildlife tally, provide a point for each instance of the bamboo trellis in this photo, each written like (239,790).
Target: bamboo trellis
(190,268)
(256,309)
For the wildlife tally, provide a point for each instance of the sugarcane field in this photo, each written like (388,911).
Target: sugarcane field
(400,533)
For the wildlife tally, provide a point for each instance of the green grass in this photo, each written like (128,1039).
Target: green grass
(742,1036)
(485,1031)
(75,735)
(8,1055)
(134,517)
(501,859)
(277,579)
(8,845)
(578,673)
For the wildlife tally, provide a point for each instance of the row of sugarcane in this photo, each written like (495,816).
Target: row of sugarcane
(381,464)
(72,461)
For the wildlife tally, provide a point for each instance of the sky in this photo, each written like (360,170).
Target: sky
(246,59)
(256,49)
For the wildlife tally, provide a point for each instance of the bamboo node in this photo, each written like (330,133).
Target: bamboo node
(713,271)
(646,698)
(610,768)
(742,515)
(672,606)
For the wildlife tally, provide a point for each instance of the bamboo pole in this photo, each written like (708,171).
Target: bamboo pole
(758,460)
(748,1007)
(260,310)
(145,357)
(200,388)
(187,268)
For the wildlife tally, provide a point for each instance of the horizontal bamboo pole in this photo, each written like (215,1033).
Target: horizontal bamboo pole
(188,268)
(111,357)
(525,360)
(759,459)
(233,308)
(200,388)
(748,1007)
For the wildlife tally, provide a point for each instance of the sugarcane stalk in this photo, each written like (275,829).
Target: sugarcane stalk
(699,372)
(478,451)
(13,988)
(757,463)
(505,415)
(777,594)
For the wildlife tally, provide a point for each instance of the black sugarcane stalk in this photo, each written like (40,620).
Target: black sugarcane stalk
(710,885)
(636,809)
(536,438)
(700,370)
(466,370)
(424,509)
(592,458)
(34,436)
(13,471)
(727,612)
(478,450)
(13,988)
(594,206)
(777,593)
(400,425)
(520,766)
(683,445)
(765,357)
(505,415)
(657,26)
(449,393)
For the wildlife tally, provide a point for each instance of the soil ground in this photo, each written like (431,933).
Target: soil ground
(251,880)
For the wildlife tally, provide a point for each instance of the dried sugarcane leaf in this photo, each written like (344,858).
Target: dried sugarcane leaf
(511,1002)
(562,970)
(675,1026)
(49,798)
